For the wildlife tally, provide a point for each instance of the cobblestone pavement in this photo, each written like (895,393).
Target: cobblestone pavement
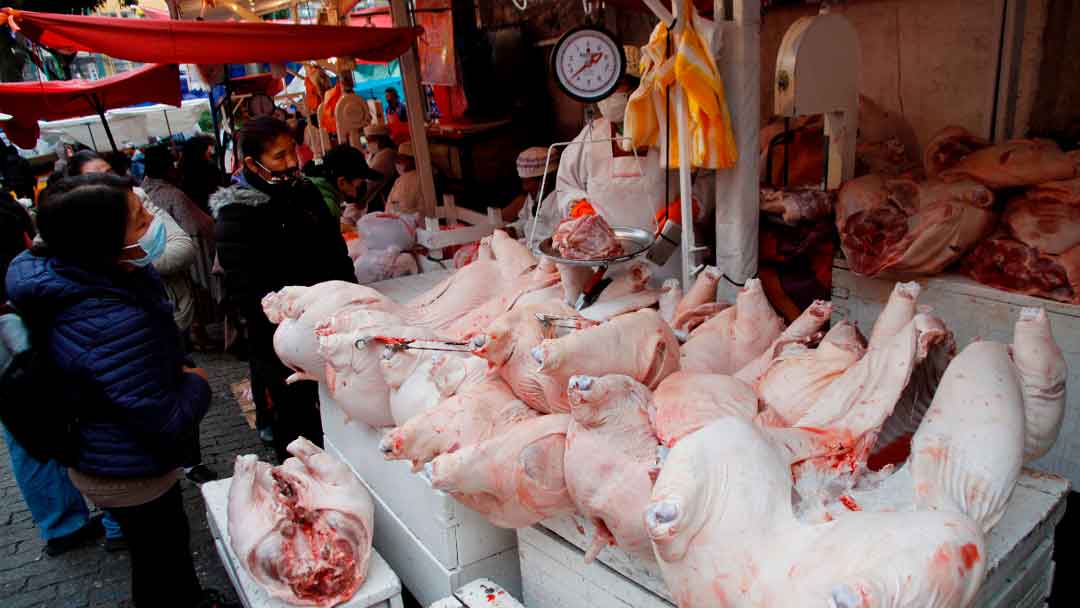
(91,577)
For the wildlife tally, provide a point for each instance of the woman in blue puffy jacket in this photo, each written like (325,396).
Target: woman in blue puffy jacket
(117,351)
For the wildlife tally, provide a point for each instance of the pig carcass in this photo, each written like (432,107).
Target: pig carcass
(733,337)
(291,302)
(507,343)
(991,395)
(476,413)
(303,530)
(910,228)
(354,377)
(514,479)
(804,329)
(640,345)
(419,379)
(686,401)
(530,287)
(725,535)
(610,451)
(798,375)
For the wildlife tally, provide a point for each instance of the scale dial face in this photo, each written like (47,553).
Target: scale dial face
(588,63)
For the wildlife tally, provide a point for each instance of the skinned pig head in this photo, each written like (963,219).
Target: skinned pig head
(304,529)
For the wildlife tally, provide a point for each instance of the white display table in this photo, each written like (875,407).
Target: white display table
(1020,547)
(435,544)
(382,589)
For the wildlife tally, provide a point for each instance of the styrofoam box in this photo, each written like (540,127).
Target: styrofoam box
(382,589)
(481,593)
(454,534)
(420,571)
(971,310)
(554,573)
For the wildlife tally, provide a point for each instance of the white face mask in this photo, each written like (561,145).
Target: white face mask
(614,107)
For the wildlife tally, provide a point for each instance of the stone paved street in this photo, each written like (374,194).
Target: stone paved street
(91,577)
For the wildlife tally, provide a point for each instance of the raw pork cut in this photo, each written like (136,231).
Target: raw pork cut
(685,402)
(733,337)
(516,478)
(725,536)
(476,413)
(1013,164)
(910,228)
(948,147)
(303,530)
(640,345)
(1005,263)
(507,346)
(586,238)
(1047,217)
(610,451)
(798,205)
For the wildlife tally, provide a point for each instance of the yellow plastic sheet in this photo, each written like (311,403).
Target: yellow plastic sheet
(691,65)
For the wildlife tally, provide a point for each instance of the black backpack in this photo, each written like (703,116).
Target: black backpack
(33,405)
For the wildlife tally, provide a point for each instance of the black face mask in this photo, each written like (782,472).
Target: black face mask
(287,177)
(278,188)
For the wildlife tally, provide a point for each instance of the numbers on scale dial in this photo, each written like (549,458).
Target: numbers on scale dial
(589,64)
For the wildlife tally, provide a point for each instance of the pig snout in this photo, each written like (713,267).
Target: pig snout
(581,383)
(389,445)
(661,518)
(479,343)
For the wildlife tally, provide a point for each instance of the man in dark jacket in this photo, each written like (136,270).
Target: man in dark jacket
(273,230)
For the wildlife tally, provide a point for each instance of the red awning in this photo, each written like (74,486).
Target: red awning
(154,41)
(254,84)
(29,102)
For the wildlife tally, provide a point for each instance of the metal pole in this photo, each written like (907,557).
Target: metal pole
(93,141)
(218,149)
(168,127)
(100,107)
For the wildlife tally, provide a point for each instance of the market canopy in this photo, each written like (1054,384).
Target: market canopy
(206,42)
(131,126)
(30,102)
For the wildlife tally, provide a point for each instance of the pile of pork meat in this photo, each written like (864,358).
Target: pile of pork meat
(758,463)
(1007,215)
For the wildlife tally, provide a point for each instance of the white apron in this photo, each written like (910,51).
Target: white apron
(625,190)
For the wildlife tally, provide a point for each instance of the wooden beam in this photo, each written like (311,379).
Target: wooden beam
(737,205)
(415,101)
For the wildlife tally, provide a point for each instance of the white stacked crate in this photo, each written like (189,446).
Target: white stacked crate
(554,574)
(435,544)
(972,310)
(381,589)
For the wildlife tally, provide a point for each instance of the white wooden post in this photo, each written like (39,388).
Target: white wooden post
(415,101)
(737,205)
